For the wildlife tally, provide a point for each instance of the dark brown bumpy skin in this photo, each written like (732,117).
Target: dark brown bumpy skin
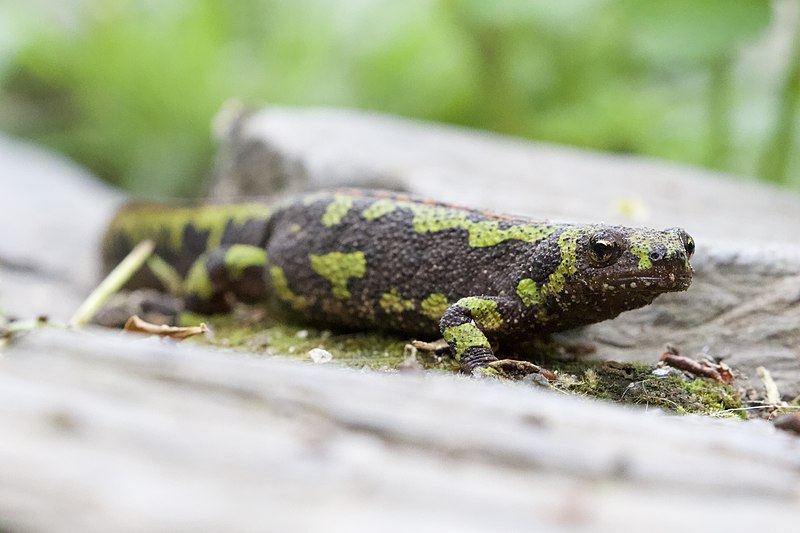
(365,260)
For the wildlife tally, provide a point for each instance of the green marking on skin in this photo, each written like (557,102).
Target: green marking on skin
(392,302)
(434,306)
(643,253)
(465,336)
(567,243)
(529,292)
(281,287)
(533,294)
(488,233)
(484,311)
(338,268)
(378,209)
(336,210)
(641,246)
(198,282)
(431,219)
(643,242)
(143,221)
(241,256)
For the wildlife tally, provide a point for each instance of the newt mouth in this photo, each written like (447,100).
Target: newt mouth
(669,282)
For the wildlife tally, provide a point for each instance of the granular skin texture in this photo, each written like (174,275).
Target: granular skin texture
(375,260)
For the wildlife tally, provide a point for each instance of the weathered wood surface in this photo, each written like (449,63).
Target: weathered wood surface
(280,147)
(744,305)
(105,433)
(52,214)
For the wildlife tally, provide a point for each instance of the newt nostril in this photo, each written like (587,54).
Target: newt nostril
(660,254)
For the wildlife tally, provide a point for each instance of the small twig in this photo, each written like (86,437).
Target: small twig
(754,407)
(11,330)
(112,283)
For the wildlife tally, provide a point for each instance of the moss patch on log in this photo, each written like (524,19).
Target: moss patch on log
(628,383)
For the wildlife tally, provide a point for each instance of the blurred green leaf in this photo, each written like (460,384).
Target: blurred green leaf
(693,31)
(130,87)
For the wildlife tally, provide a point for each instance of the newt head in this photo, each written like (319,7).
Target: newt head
(636,260)
(604,270)
(625,268)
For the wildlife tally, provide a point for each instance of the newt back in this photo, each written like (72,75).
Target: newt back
(376,260)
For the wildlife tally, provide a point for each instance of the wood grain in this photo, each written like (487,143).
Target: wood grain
(106,433)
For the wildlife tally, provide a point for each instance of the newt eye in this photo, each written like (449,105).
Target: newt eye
(604,248)
(686,239)
(688,242)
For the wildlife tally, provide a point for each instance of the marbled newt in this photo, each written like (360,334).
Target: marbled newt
(374,260)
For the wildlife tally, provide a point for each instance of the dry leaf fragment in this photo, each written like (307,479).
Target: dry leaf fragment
(137,325)
(718,371)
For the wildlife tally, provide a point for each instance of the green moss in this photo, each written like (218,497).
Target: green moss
(635,383)
(628,383)
(269,338)
(715,396)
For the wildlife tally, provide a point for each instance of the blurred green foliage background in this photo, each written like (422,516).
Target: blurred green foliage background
(129,87)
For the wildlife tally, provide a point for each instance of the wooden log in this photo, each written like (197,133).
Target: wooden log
(742,306)
(109,433)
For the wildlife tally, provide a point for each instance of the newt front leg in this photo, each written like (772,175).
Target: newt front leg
(465,325)
(236,269)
